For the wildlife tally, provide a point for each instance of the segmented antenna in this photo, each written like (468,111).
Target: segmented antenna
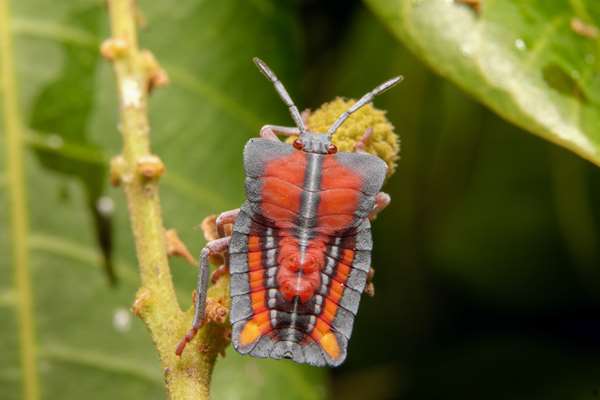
(366,99)
(282,92)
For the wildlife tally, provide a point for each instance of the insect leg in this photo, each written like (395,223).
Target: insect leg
(370,287)
(213,247)
(226,217)
(271,131)
(382,200)
(359,147)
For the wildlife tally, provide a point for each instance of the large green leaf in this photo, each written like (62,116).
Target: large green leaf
(534,62)
(87,343)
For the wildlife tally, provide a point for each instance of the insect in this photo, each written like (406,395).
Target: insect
(300,251)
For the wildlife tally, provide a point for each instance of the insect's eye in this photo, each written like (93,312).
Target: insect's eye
(298,144)
(331,148)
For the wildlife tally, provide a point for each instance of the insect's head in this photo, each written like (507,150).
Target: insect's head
(315,143)
(319,142)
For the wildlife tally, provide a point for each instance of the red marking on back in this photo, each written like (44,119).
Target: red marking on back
(341,191)
(255,261)
(258,301)
(292,285)
(336,175)
(254,244)
(333,297)
(288,168)
(280,199)
(259,324)
(338,201)
(256,277)
(342,273)
(282,182)
(299,276)
(347,257)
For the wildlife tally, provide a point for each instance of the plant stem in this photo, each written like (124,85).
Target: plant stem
(18,207)
(138,171)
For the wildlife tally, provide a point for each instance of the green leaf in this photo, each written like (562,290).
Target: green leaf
(86,342)
(534,62)
(51,129)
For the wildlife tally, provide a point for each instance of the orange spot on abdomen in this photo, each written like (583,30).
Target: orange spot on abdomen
(329,343)
(258,326)
(250,333)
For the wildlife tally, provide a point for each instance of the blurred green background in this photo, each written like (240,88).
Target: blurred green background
(487,282)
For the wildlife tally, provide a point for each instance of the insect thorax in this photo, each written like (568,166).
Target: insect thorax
(315,142)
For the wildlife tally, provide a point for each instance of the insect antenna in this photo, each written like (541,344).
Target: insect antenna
(282,92)
(366,99)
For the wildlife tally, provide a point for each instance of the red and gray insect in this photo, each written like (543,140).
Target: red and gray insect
(300,250)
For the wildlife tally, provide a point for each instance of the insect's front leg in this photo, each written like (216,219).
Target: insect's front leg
(213,247)
(225,218)
(271,131)
(359,146)
(370,287)
(382,200)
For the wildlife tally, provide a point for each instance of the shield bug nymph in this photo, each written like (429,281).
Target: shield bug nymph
(300,251)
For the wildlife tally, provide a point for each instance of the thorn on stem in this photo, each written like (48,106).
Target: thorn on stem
(142,300)
(114,47)
(150,166)
(176,247)
(157,76)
